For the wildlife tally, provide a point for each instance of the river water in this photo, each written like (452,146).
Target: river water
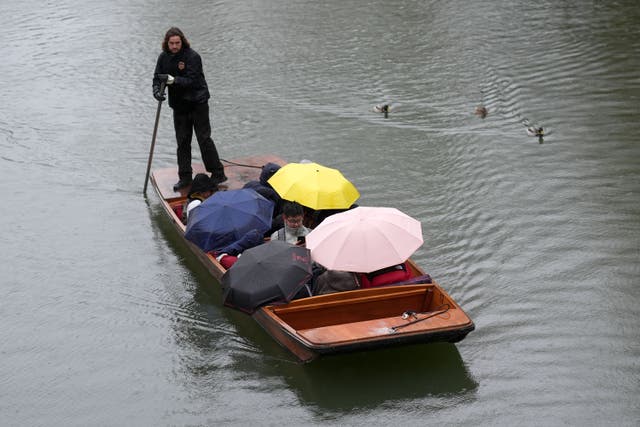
(107,321)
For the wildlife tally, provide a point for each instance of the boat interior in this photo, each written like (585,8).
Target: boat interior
(408,301)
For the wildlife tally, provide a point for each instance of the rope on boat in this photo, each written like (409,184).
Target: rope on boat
(240,164)
(440,310)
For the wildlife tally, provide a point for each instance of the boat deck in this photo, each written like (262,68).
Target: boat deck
(382,327)
(237,174)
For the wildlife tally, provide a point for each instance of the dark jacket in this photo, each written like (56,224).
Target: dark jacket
(265,189)
(190,87)
(249,240)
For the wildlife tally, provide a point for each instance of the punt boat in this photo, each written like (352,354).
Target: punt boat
(347,321)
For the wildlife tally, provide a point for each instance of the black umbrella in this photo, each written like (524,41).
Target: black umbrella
(272,272)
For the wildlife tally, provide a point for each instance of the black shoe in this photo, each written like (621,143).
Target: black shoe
(218,179)
(183,183)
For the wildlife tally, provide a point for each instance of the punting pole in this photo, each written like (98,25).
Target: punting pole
(153,140)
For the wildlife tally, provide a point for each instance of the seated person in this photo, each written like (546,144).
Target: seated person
(265,189)
(385,276)
(320,215)
(317,271)
(307,217)
(229,254)
(226,260)
(331,281)
(292,215)
(276,224)
(201,188)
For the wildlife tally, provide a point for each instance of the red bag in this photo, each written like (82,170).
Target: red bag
(385,276)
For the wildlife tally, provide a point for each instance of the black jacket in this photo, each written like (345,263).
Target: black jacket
(265,189)
(190,87)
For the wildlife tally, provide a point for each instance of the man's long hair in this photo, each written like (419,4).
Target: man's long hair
(174,31)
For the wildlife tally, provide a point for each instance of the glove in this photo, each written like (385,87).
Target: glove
(167,78)
(159,96)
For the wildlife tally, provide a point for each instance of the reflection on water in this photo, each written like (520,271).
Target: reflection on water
(370,379)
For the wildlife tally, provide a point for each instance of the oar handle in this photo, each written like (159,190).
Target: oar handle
(153,139)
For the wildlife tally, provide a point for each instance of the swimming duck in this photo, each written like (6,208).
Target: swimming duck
(481,111)
(383,108)
(534,131)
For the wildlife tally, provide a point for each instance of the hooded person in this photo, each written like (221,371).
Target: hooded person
(202,187)
(266,190)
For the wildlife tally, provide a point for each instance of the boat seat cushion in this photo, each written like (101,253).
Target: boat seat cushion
(179,210)
(386,276)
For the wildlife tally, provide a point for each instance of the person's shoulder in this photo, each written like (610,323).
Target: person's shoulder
(191,56)
(193,204)
(188,51)
(162,59)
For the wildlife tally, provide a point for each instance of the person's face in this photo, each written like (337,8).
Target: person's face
(293,221)
(175,44)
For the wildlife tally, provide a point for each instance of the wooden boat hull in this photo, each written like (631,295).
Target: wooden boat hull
(347,321)
(366,319)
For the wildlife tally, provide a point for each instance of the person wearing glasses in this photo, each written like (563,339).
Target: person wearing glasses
(293,231)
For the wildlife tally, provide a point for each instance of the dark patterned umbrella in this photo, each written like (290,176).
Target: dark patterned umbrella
(272,272)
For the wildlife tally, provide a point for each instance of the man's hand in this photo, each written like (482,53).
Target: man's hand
(167,78)
(158,95)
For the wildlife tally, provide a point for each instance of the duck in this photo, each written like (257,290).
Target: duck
(384,108)
(535,131)
(481,111)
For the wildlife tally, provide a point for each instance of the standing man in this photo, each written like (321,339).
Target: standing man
(180,67)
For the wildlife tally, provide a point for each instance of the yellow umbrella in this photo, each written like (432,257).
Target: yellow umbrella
(314,186)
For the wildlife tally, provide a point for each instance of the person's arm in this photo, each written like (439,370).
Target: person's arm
(193,71)
(157,80)
(192,205)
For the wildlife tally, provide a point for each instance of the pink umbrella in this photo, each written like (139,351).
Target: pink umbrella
(364,239)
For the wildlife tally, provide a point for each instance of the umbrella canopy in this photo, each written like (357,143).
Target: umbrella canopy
(314,186)
(227,216)
(273,271)
(365,239)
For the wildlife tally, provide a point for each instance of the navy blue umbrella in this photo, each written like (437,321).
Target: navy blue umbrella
(227,216)
(272,272)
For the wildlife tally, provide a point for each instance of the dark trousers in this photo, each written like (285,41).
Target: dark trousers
(185,123)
